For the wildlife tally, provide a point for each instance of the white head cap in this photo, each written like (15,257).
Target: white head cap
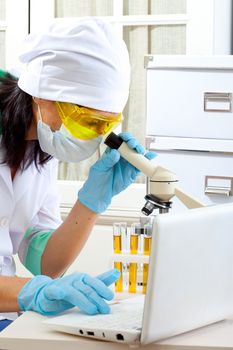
(79,61)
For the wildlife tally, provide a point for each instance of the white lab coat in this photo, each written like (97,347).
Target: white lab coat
(30,201)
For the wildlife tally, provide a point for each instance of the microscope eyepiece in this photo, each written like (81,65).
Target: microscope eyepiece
(113,141)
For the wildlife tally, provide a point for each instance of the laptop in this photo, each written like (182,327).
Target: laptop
(190,282)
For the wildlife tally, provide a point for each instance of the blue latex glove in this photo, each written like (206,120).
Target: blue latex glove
(110,175)
(49,296)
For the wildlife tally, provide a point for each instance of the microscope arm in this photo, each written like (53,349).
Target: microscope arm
(189,201)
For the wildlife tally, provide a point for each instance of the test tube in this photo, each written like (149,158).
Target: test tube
(134,235)
(119,233)
(147,246)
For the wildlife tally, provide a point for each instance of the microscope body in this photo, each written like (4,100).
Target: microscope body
(162,182)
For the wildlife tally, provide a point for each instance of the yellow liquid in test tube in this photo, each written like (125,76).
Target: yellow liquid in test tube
(118,265)
(133,266)
(147,245)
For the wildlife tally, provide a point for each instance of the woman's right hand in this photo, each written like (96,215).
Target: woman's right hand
(50,297)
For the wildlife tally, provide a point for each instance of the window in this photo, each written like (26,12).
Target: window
(13,28)
(148,27)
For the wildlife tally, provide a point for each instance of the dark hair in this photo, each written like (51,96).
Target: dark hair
(16,117)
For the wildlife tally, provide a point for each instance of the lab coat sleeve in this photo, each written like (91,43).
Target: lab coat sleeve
(36,237)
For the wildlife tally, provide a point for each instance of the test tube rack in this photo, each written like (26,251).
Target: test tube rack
(130,258)
(138,262)
(131,255)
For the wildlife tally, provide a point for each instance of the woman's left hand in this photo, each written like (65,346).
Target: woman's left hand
(110,175)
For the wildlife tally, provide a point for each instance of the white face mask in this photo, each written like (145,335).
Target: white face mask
(63,146)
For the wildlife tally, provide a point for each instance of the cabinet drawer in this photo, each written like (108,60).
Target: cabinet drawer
(204,175)
(189,101)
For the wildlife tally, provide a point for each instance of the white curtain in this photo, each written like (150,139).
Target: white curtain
(140,40)
(2,34)
(161,7)
(76,8)
(2,10)
(2,49)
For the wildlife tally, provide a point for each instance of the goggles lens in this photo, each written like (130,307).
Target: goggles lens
(86,123)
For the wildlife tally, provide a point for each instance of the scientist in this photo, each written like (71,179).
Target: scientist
(71,93)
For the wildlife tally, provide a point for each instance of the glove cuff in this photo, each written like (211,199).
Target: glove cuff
(28,294)
(87,198)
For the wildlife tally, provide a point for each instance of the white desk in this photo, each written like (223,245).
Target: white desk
(28,333)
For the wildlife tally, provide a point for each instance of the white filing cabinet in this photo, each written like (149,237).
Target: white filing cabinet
(190,122)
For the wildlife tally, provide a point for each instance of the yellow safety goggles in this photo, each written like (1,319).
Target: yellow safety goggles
(86,123)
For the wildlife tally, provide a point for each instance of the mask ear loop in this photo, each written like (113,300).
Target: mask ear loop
(39,111)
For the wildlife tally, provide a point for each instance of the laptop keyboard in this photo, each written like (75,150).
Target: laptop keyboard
(122,317)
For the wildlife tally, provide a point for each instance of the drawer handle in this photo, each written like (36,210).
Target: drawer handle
(217,101)
(220,185)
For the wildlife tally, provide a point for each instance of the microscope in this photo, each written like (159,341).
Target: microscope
(162,182)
